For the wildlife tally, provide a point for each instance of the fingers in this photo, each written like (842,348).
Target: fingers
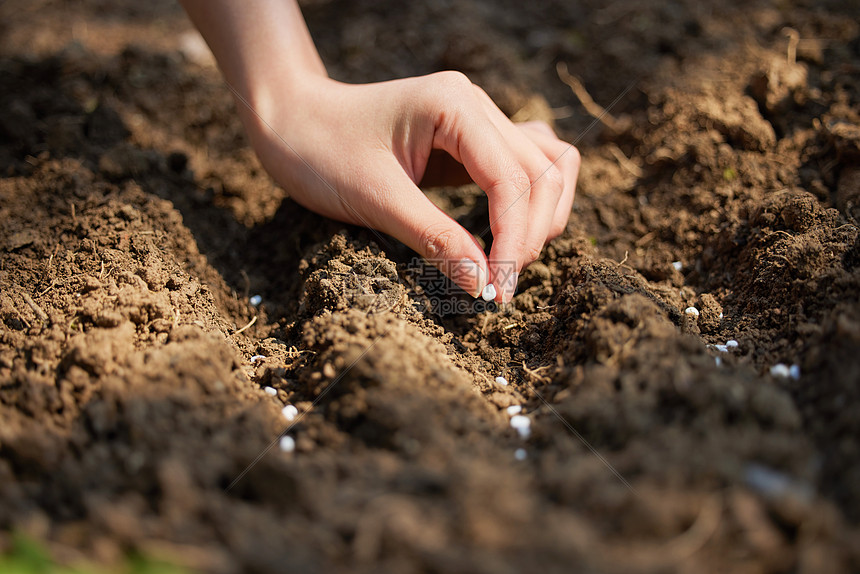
(466,133)
(408,215)
(546,180)
(552,166)
(567,160)
(529,195)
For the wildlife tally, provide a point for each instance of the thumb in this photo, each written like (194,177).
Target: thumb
(411,217)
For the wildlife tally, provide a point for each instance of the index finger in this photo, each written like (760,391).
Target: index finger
(464,130)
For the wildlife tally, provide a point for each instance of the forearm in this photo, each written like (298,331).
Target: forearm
(256,40)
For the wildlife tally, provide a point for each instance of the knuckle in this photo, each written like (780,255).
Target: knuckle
(449,94)
(554,180)
(540,126)
(482,94)
(573,157)
(519,179)
(453,81)
(436,241)
(531,252)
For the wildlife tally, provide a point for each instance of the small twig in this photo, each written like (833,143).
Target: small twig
(20,316)
(782,257)
(51,258)
(48,271)
(484,326)
(625,161)
(645,238)
(248,326)
(489,380)
(294,353)
(689,542)
(511,326)
(793,40)
(35,307)
(623,261)
(561,113)
(594,109)
(536,373)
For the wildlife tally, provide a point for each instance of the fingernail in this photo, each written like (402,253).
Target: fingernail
(469,276)
(509,287)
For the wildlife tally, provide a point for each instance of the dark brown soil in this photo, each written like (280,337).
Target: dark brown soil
(135,224)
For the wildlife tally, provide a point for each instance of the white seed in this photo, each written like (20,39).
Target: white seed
(794,372)
(520,421)
(722,348)
(522,424)
(255,300)
(270,391)
(287,444)
(520,454)
(721,314)
(732,344)
(290,412)
(256,358)
(514,410)
(489,292)
(719,361)
(502,381)
(677,265)
(780,370)
(692,312)
(774,484)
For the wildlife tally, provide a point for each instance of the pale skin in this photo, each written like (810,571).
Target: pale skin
(357,152)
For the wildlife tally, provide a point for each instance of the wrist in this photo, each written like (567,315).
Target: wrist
(280,90)
(276,98)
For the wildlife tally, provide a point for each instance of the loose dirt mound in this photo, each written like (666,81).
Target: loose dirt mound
(136,225)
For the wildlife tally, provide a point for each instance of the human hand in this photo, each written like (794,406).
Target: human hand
(356,153)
